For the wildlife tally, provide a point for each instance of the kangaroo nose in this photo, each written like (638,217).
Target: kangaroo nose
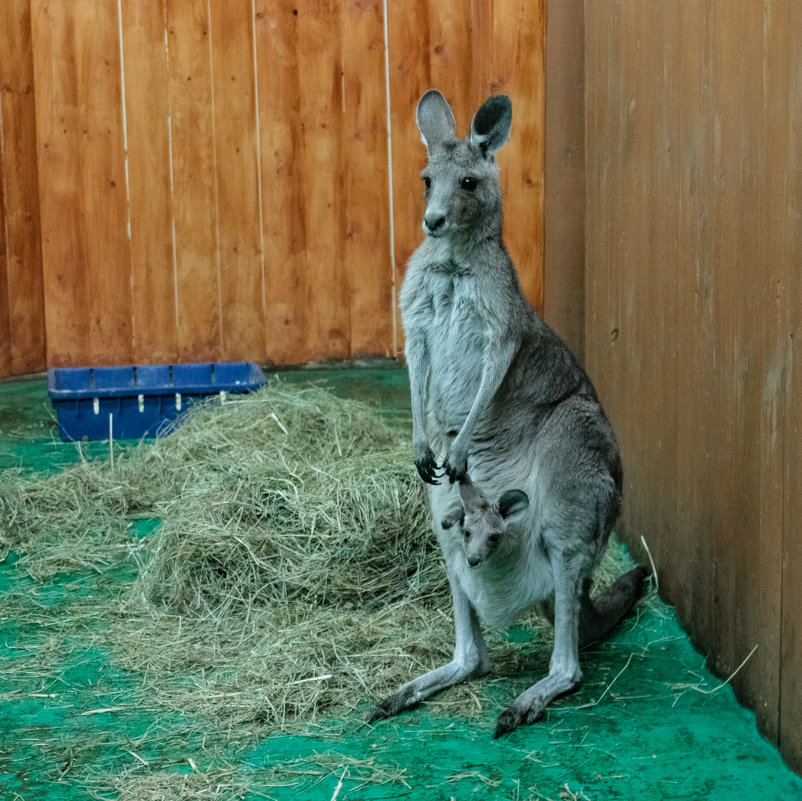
(434,222)
(473,561)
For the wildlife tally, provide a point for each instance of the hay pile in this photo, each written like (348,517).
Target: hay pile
(293,573)
(293,570)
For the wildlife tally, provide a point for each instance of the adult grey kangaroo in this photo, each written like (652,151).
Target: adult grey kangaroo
(497,395)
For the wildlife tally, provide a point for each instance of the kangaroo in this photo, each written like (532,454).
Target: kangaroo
(497,395)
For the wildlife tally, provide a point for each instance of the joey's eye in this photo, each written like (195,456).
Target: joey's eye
(427,181)
(467,534)
(469,183)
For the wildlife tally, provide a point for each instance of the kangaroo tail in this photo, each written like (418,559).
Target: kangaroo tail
(600,615)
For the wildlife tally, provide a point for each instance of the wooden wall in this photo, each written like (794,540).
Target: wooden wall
(694,308)
(193,180)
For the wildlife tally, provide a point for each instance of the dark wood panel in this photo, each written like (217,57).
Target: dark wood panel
(692,300)
(785,100)
(564,173)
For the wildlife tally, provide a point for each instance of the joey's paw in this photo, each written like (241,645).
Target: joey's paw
(427,466)
(513,717)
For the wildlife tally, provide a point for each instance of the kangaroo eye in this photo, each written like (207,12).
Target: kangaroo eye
(469,183)
(427,181)
(467,534)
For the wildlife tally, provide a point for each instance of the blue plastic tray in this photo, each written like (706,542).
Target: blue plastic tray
(136,401)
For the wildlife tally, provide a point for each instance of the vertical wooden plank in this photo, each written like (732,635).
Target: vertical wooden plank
(748,583)
(155,323)
(5,323)
(237,165)
(693,226)
(366,182)
(564,173)
(300,46)
(283,196)
(518,70)
(197,279)
(82,187)
(690,588)
(786,92)
(22,316)
(327,331)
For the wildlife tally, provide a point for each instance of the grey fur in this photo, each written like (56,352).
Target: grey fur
(495,393)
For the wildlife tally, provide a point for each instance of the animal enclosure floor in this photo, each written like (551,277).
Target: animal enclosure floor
(648,722)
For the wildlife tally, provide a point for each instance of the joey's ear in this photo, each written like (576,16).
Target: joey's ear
(456,515)
(512,504)
(435,119)
(490,128)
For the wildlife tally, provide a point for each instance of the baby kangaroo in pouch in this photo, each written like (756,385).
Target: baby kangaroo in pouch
(497,396)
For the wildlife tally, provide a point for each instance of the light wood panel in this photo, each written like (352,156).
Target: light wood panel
(147,106)
(82,182)
(196,219)
(22,328)
(218,174)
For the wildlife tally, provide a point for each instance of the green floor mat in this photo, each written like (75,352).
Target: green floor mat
(648,722)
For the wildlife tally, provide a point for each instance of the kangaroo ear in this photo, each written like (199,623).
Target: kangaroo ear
(435,119)
(512,503)
(490,128)
(456,515)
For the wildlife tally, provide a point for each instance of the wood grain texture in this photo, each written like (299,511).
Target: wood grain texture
(242,296)
(218,174)
(82,189)
(693,248)
(326,291)
(785,98)
(564,173)
(22,328)
(366,183)
(281,157)
(147,100)
(194,172)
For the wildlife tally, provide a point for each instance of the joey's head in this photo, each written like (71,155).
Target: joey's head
(484,525)
(463,197)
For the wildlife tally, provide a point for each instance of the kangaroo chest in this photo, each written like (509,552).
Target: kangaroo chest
(447,314)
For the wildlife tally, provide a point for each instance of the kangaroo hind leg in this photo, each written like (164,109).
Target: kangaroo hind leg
(564,672)
(470,661)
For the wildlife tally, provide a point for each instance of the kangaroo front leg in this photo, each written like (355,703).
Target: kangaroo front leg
(564,672)
(418,366)
(470,661)
(497,359)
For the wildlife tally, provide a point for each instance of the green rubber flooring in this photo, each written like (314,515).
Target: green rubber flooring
(649,722)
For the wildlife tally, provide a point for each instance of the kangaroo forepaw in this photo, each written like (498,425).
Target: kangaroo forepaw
(456,470)
(514,716)
(426,464)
